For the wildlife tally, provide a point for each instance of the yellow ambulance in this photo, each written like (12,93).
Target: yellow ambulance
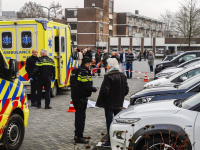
(14,110)
(19,37)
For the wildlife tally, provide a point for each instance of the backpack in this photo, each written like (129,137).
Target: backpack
(74,76)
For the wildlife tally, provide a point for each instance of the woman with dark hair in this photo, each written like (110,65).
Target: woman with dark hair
(80,57)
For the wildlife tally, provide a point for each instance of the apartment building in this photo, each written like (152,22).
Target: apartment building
(134,25)
(91,25)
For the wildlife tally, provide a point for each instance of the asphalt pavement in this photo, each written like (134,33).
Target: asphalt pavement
(54,129)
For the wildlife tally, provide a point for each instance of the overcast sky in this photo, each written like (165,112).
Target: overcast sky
(149,8)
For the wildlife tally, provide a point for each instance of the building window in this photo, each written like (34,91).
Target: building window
(6,42)
(101,26)
(72,14)
(110,32)
(74,38)
(26,39)
(73,26)
(101,14)
(111,22)
(110,7)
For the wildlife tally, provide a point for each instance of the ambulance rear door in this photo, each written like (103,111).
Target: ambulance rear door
(27,41)
(8,42)
(62,55)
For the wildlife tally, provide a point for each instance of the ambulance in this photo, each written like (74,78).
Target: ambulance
(14,110)
(18,38)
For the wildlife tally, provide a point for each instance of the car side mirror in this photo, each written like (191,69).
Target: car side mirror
(184,78)
(13,69)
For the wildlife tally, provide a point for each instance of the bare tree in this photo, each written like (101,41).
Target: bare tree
(31,10)
(168,19)
(56,11)
(187,19)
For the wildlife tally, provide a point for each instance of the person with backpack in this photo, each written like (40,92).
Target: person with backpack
(81,88)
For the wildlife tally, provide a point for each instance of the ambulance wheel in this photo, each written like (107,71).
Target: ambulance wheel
(14,132)
(54,90)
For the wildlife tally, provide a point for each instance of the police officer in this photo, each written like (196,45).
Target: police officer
(45,67)
(30,65)
(79,94)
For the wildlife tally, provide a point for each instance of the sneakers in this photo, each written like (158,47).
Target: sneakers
(48,107)
(81,140)
(107,144)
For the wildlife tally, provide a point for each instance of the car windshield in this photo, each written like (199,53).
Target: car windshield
(190,82)
(177,56)
(185,64)
(192,64)
(175,73)
(191,102)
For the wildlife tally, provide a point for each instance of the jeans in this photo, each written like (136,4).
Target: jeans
(151,68)
(80,116)
(46,82)
(129,67)
(33,90)
(123,67)
(109,118)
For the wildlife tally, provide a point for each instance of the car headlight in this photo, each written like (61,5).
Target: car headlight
(129,120)
(142,100)
(160,66)
(119,135)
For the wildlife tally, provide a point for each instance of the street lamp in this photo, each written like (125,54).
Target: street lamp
(49,9)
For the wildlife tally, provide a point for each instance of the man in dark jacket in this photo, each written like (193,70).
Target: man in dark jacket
(98,60)
(104,60)
(113,55)
(30,65)
(89,53)
(113,90)
(79,94)
(145,54)
(129,64)
(45,67)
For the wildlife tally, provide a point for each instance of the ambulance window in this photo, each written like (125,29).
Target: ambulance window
(6,40)
(26,39)
(56,44)
(62,44)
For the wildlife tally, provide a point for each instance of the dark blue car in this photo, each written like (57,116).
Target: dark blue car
(178,91)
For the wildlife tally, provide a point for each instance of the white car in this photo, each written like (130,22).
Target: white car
(151,124)
(178,77)
(168,71)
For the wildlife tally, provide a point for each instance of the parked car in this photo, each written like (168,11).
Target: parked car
(178,91)
(171,70)
(177,60)
(170,57)
(158,123)
(178,77)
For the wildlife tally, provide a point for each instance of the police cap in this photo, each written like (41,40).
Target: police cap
(86,60)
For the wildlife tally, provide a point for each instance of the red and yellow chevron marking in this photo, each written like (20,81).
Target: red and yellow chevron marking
(22,72)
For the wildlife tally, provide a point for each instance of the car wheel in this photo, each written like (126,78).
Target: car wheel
(157,143)
(54,90)
(14,132)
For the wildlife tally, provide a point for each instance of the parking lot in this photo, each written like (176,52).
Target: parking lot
(54,129)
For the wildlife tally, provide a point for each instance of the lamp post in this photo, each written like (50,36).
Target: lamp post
(49,9)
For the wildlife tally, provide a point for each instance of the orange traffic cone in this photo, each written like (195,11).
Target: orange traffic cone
(71,107)
(146,78)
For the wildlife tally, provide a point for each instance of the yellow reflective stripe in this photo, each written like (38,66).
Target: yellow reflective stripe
(84,79)
(45,64)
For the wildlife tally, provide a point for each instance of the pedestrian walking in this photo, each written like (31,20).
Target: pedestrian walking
(113,90)
(145,54)
(89,53)
(45,68)
(80,91)
(98,60)
(80,57)
(123,60)
(104,60)
(129,64)
(151,61)
(30,65)
(140,56)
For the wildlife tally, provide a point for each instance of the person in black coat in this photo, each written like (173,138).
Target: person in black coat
(113,55)
(98,59)
(145,54)
(30,65)
(89,53)
(129,64)
(113,90)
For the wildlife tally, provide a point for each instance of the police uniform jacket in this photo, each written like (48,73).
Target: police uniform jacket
(84,86)
(30,65)
(45,67)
